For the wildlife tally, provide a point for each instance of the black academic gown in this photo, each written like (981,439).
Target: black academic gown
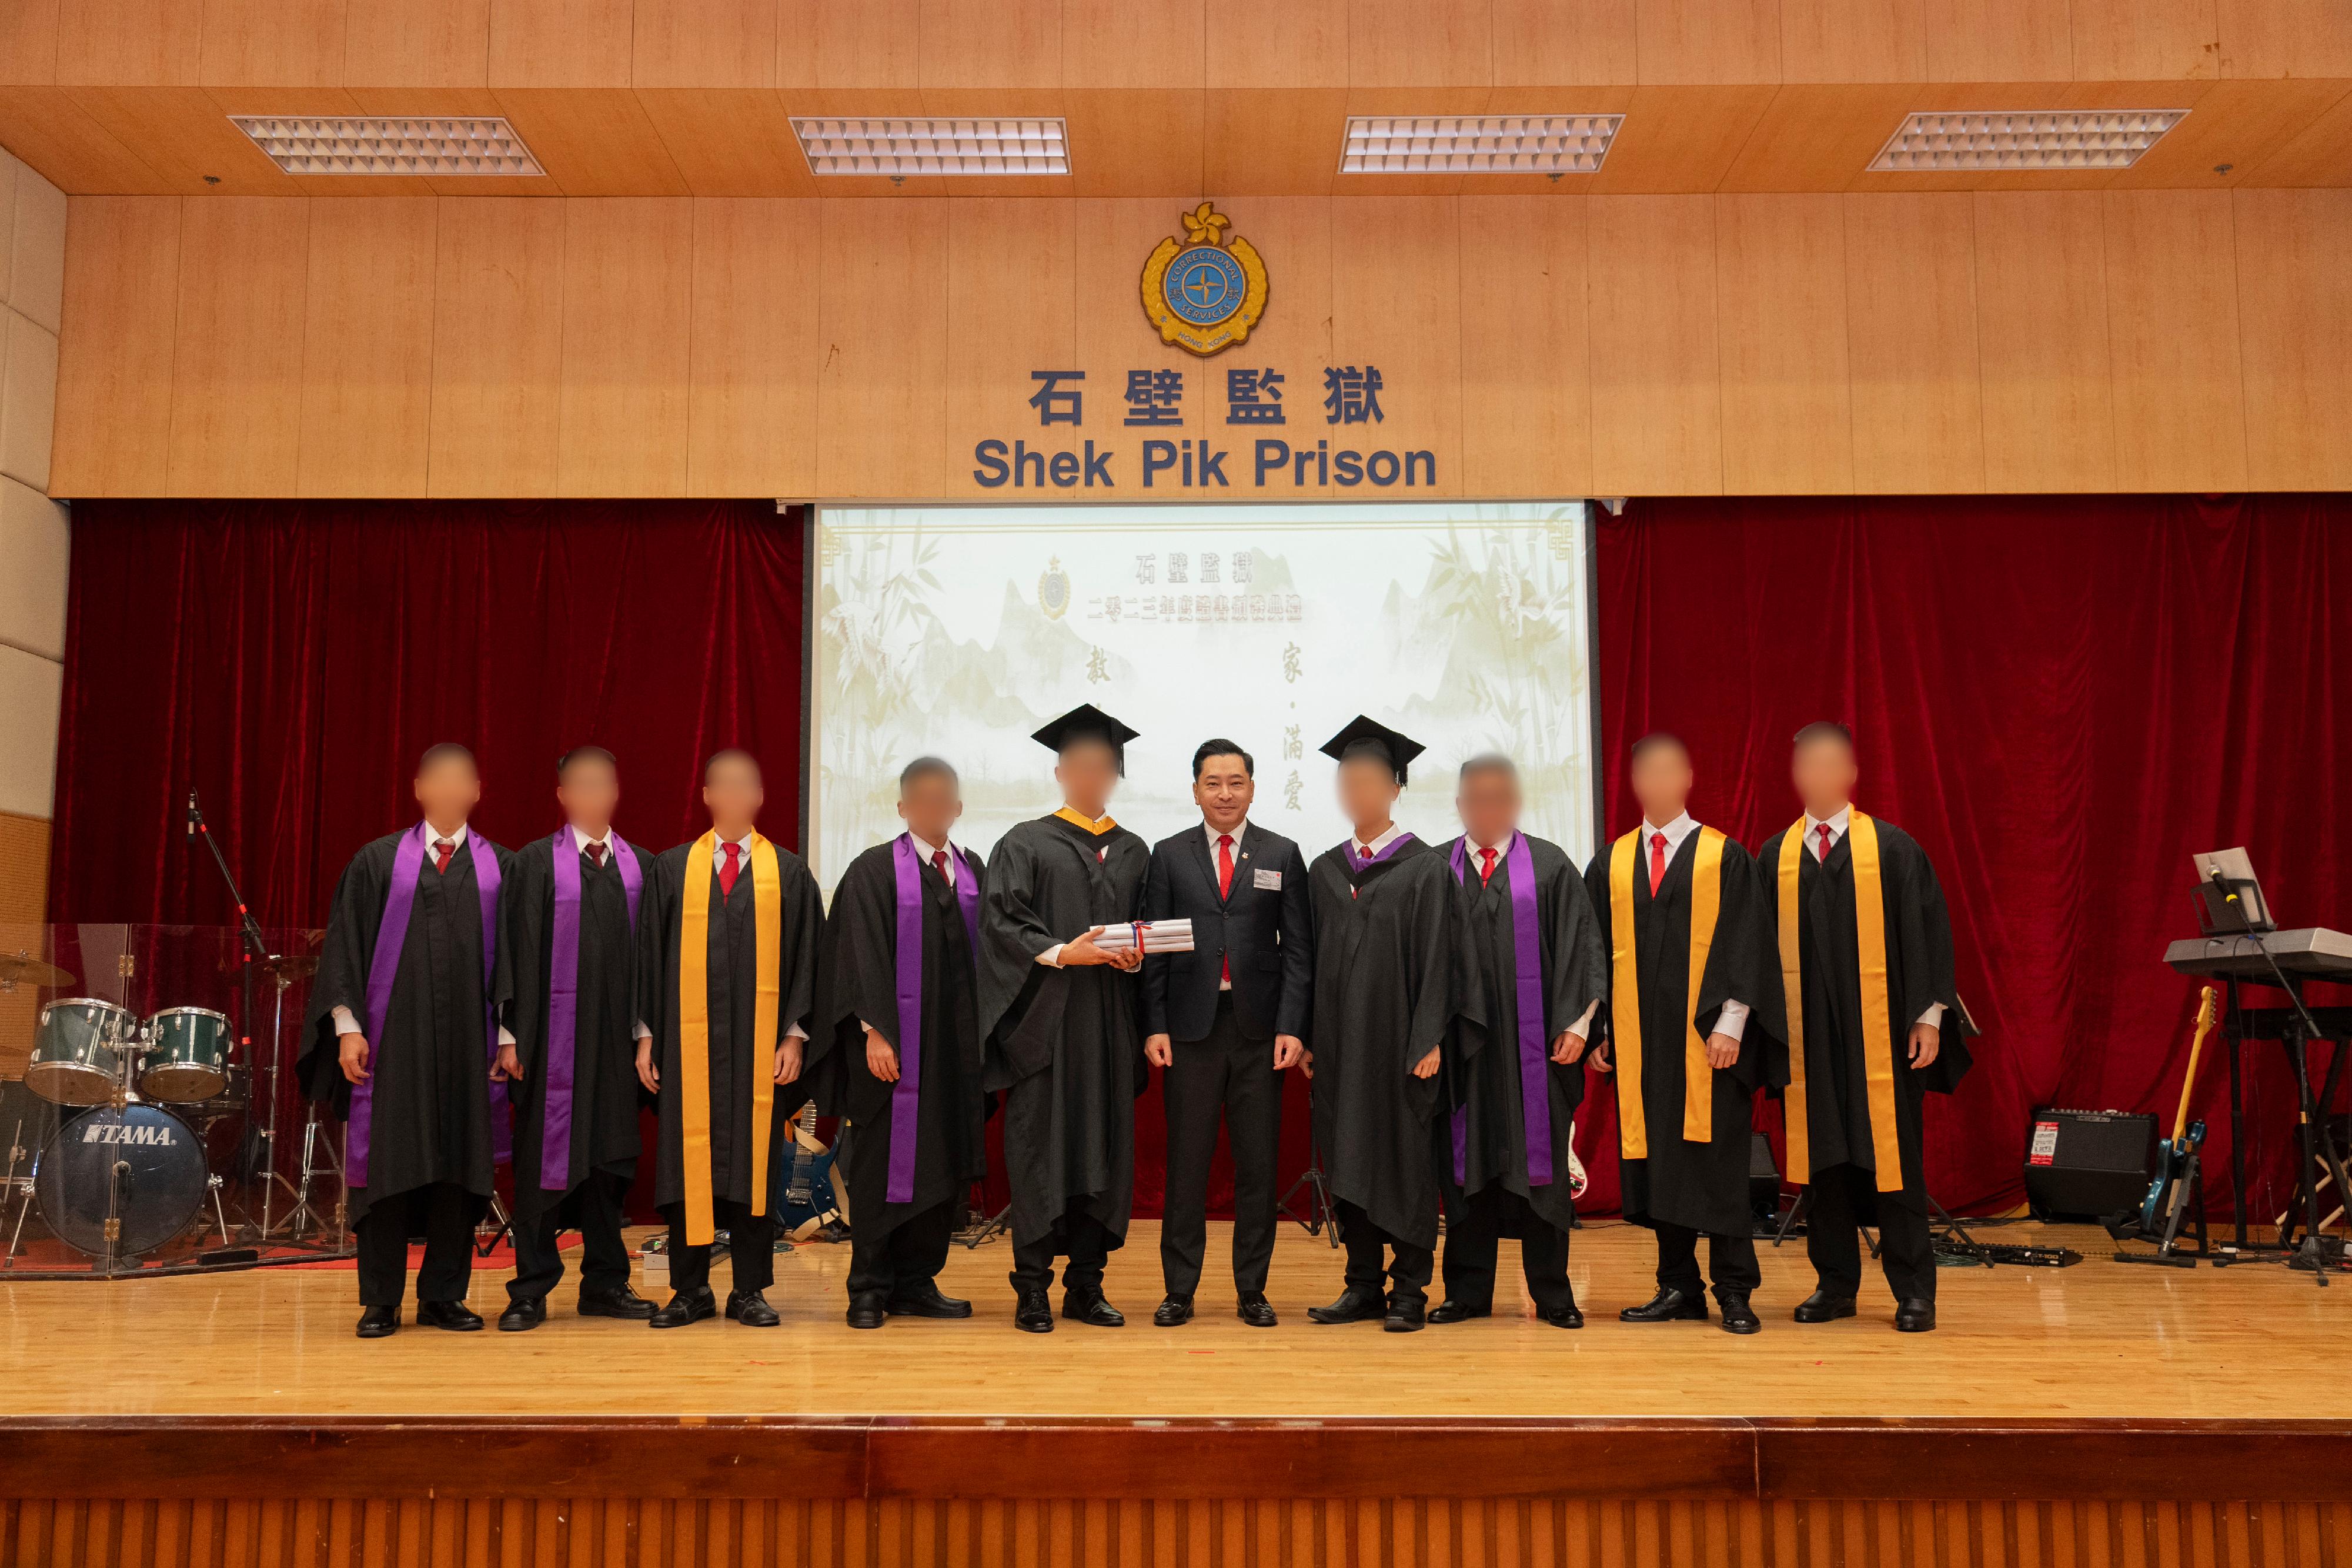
(1065,1047)
(605,1090)
(732,970)
(430,1119)
(1387,944)
(1702,1186)
(862,988)
(1486,1092)
(1918,972)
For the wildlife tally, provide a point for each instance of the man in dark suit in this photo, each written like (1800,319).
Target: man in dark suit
(1224,1021)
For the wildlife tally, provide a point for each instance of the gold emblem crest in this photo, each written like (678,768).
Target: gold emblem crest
(1205,293)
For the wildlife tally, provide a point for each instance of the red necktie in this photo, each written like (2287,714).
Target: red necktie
(1657,861)
(733,852)
(597,854)
(441,850)
(1485,866)
(1824,831)
(1224,890)
(939,863)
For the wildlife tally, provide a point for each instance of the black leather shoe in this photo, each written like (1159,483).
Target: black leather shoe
(379,1322)
(1450,1311)
(525,1315)
(1914,1317)
(1669,1305)
(866,1312)
(1354,1306)
(926,1301)
(1034,1315)
(1090,1309)
(1570,1316)
(1738,1317)
(455,1316)
(1173,1311)
(1256,1311)
(619,1302)
(1403,1317)
(751,1309)
(1821,1307)
(686,1307)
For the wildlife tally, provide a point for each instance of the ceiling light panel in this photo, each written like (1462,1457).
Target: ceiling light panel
(375,145)
(2025,140)
(1478,144)
(900,147)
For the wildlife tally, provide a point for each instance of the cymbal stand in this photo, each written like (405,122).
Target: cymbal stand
(22,1191)
(274,1177)
(314,1161)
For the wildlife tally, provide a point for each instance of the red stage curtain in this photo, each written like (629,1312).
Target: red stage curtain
(2062,698)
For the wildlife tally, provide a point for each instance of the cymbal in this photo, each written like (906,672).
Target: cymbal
(294,966)
(21,967)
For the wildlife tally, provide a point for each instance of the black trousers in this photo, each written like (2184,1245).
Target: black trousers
(751,1247)
(444,1211)
(1473,1243)
(1378,1260)
(910,1254)
(1221,1071)
(1077,1236)
(1730,1261)
(1846,1197)
(595,1203)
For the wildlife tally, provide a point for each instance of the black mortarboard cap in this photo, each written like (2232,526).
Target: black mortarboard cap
(1369,737)
(1087,722)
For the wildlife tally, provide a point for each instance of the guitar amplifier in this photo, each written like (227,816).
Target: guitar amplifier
(2088,1165)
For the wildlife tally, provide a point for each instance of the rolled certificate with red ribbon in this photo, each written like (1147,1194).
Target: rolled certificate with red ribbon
(1147,936)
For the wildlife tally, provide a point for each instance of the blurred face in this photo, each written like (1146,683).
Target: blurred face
(1223,792)
(1661,776)
(448,791)
(732,795)
(1489,804)
(929,804)
(1823,772)
(1088,772)
(1368,793)
(589,791)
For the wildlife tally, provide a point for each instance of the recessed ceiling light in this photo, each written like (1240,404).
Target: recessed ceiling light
(370,144)
(2024,139)
(902,147)
(1477,143)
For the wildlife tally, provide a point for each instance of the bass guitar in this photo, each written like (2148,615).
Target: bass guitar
(2172,1156)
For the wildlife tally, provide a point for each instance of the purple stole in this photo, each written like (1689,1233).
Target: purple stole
(1356,863)
(1526,964)
(384,964)
(563,996)
(906,1095)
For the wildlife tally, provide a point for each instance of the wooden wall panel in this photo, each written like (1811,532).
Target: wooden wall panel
(2172,322)
(113,432)
(2145,41)
(882,408)
(2294,319)
(367,348)
(272,43)
(2284,38)
(2041,339)
(1420,43)
(1135,44)
(1854,40)
(560,42)
(1540,41)
(1396,292)
(417,43)
(1657,412)
(1109,338)
(1998,40)
(498,346)
(1781,311)
(711,44)
(1911,324)
(751,426)
(130,43)
(1527,361)
(1708,41)
(628,313)
(998,336)
(236,406)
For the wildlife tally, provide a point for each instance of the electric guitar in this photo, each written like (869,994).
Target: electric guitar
(2172,1158)
(809,1204)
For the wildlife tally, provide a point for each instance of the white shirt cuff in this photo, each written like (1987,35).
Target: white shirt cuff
(795,1032)
(641,1031)
(344,1023)
(1051,956)
(1582,1027)
(1934,1016)
(1733,1024)
(506,1035)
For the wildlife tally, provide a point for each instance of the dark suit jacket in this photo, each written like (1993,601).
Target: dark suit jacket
(1267,932)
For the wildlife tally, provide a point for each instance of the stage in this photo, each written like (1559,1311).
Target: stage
(2092,1415)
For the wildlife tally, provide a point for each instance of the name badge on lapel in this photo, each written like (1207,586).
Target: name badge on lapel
(1271,880)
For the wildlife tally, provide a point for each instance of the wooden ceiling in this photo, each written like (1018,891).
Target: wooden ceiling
(1165,97)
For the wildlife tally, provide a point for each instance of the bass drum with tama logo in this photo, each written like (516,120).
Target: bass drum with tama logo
(138,1164)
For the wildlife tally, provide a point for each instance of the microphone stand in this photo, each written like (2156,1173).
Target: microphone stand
(255,950)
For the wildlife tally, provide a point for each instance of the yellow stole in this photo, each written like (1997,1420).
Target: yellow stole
(1625,994)
(1088,823)
(694,1023)
(1877,1029)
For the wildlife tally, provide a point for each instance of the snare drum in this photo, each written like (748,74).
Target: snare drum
(187,1059)
(79,1049)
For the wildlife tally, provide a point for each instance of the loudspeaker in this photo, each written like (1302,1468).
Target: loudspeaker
(2086,1166)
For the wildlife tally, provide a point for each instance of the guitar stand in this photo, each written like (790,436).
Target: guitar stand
(504,1228)
(1319,1218)
(989,1229)
(2187,1198)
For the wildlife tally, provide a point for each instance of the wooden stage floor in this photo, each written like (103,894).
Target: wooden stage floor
(2098,1341)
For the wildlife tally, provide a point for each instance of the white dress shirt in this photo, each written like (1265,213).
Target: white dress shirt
(1837,825)
(1051,956)
(1733,1022)
(1582,1027)
(344,1023)
(1366,852)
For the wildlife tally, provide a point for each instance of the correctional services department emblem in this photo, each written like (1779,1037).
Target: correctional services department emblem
(1206,294)
(1054,589)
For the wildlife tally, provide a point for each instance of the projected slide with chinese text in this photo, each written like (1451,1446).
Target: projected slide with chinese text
(958,631)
